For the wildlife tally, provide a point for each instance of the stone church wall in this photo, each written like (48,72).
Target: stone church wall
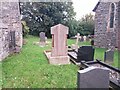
(9,21)
(103,38)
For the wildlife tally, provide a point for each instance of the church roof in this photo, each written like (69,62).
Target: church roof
(96,6)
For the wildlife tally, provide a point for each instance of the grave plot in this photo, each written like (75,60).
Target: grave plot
(114,73)
(84,53)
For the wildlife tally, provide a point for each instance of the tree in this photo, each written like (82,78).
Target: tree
(87,23)
(40,16)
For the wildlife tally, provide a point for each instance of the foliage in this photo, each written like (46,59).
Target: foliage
(25,28)
(87,24)
(40,16)
(84,26)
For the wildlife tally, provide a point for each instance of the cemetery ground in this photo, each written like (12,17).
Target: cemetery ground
(30,68)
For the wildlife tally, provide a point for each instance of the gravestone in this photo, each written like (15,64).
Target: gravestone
(42,38)
(85,53)
(75,46)
(109,56)
(93,77)
(84,37)
(92,42)
(87,38)
(59,45)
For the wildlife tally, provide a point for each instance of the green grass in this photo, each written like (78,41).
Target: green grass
(30,68)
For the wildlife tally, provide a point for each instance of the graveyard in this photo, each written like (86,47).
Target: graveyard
(39,49)
(30,68)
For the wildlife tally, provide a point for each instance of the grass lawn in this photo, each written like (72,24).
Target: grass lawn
(30,68)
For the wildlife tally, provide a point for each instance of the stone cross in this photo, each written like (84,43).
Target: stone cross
(84,37)
(75,46)
(85,53)
(78,36)
(93,77)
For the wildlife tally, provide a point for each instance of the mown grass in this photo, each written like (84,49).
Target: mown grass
(30,68)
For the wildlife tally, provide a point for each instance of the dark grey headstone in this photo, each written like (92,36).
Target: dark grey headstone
(93,77)
(85,53)
(42,37)
(109,56)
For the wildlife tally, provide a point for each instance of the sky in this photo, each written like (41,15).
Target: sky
(82,7)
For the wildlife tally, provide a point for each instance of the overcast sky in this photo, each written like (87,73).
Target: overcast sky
(82,7)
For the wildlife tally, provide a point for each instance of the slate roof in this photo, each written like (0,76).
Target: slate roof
(96,6)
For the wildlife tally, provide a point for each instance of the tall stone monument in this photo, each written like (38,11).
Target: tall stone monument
(59,45)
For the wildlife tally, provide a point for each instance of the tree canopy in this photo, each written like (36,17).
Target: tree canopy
(40,16)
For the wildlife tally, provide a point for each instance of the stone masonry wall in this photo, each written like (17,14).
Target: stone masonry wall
(103,38)
(9,21)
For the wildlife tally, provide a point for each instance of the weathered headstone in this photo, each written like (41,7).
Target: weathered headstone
(84,37)
(12,42)
(87,38)
(109,56)
(75,46)
(85,53)
(42,38)
(92,42)
(93,77)
(59,45)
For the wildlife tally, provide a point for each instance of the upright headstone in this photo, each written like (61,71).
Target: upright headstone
(109,56)
(42,38)
(85,53)
(59,45)
(84,37)
(87,38)
(93,77)
(78,36)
